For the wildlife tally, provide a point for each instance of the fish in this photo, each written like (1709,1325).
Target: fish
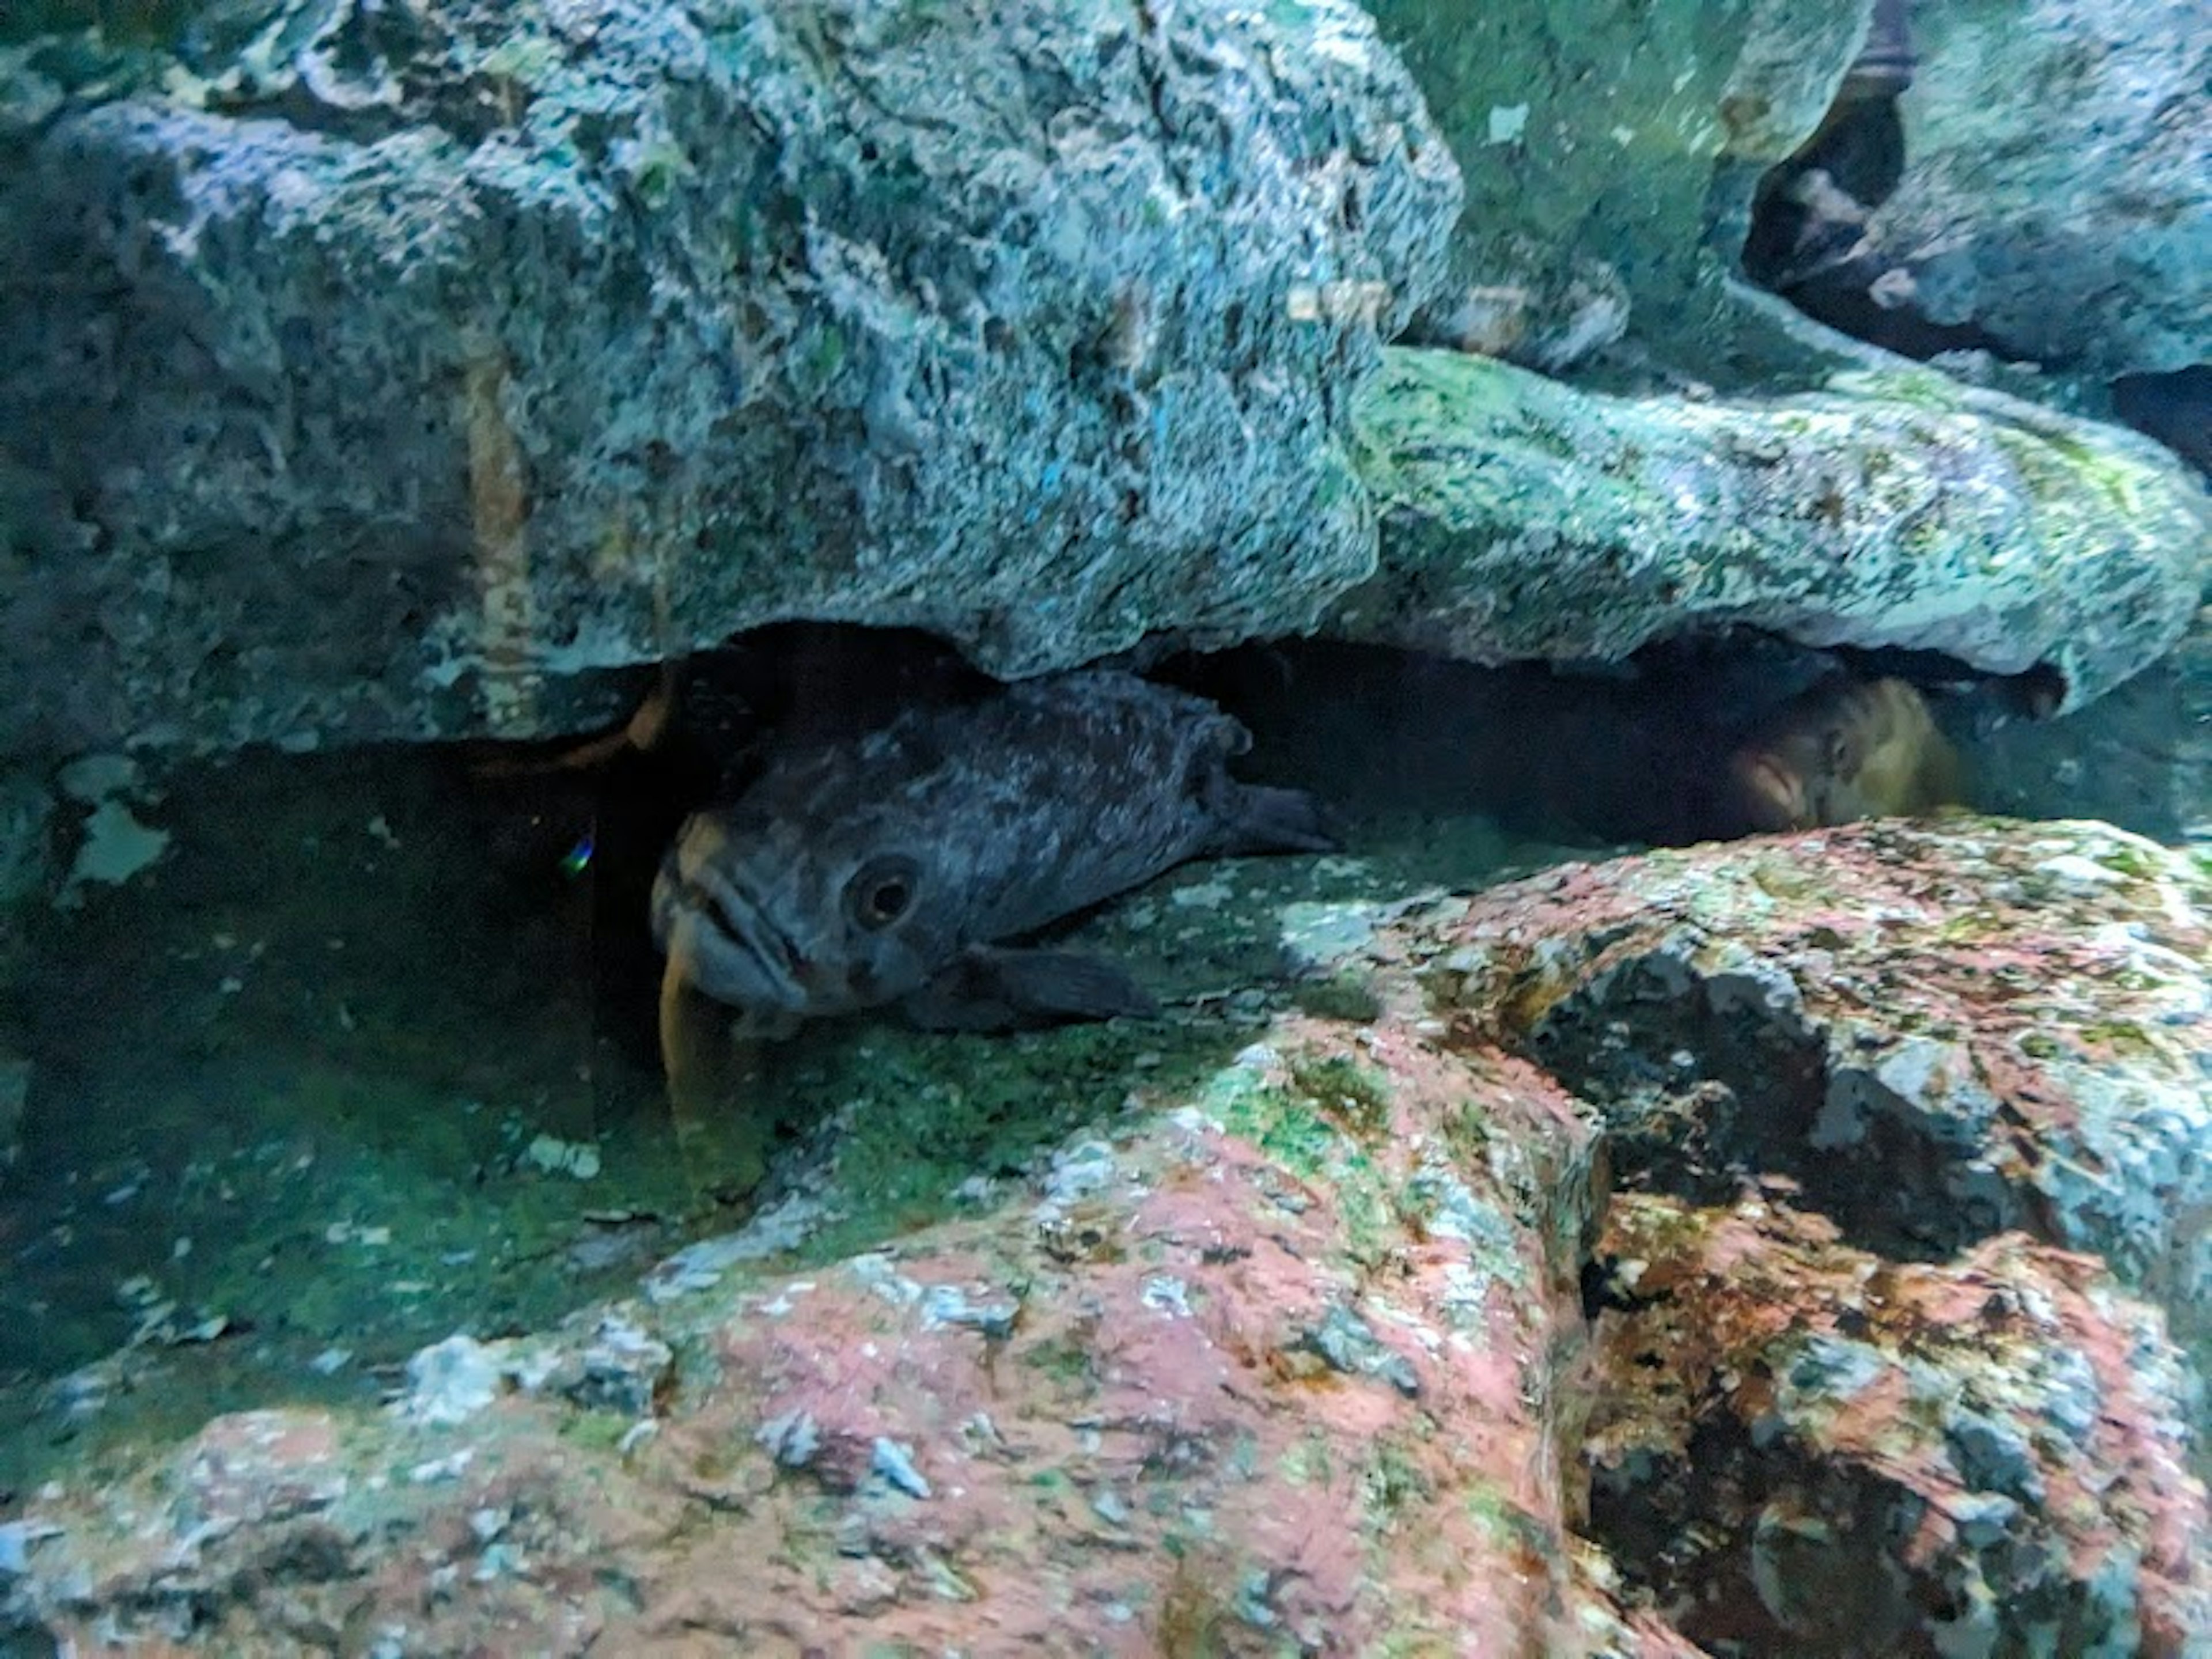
(1847,749)
(903,867)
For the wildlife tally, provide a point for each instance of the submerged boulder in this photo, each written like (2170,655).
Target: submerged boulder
(365,371)
(371,373)
(1523,518)
(1806,1449)
(1610,153)
(1348,1338)
(2056,193)
(1940,1032)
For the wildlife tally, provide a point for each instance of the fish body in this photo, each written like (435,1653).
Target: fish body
(1844,751)
(891,868)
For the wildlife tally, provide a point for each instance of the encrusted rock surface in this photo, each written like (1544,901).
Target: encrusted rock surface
(1609,154)
(1521,519)
(364,370)
(1810,1449)
(1292,1359)
(2057,187)
(2143,757)
(1944,1032)
(1269,1370)
(385,373)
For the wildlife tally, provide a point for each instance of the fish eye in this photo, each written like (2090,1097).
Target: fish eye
(881,891)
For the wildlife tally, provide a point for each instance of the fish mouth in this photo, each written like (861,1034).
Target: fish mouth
(718,937)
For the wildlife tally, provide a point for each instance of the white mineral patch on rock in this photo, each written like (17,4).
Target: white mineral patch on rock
(93,778)
(116,847)
(550,1155)
(451,1381)
(1316,935)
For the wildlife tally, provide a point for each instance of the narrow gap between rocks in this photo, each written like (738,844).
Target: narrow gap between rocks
(388,1016)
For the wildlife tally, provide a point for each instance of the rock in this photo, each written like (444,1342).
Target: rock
(2141,758)
(620,1369)
(27,862)
(255,1468)
(1608,152)
(1524,520)
(454,376)
(1755,1462)
(2056,196)
(388,370)
(1294,1353)
(1150,1445)
(1942,1032)
(453,1381)
(14,1097)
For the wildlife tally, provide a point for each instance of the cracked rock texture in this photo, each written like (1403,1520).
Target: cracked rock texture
(1839,1455)
(1944,1032)
(367,369)
(1291,1358)
(1521,519)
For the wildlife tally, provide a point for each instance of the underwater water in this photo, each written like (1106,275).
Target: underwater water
(1296,829)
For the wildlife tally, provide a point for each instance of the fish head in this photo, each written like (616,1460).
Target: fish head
(1771,790)
(1788,775)
(762,916)
(1845,750)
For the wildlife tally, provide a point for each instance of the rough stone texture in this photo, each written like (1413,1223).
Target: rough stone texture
(1599,142)
(1271,1370)
(1522,519)
(2141,758)
(2057,191)
(1293,1359)
(385,373)
(1983,1456)
(1943,1032)
(388,361)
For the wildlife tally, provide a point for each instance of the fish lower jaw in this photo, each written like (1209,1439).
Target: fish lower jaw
(719,966)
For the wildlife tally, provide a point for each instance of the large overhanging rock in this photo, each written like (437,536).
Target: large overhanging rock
(1524,520)
(387,365)
(384,378)
(2058,189)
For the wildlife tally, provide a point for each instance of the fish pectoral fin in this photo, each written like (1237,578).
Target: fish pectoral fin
(1259,819)
(1002,989)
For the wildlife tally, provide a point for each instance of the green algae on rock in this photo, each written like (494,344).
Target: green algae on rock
(459,351)
(1524,518)
(1610,153)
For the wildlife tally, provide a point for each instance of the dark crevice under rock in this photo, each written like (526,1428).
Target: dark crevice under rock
(1757,1549)
(1691,1533)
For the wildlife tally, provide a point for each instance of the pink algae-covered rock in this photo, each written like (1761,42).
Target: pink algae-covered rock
(1804,1448)
(1685,1200)
(1941,1031)
(1277,1370)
